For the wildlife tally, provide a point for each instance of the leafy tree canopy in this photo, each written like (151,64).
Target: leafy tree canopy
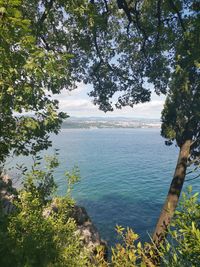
(42,50)
(121,47)
(145,42)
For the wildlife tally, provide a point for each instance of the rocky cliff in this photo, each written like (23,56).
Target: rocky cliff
(87,231)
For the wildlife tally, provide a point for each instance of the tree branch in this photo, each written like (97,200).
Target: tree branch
(123,5)
(48,6)
(45,43)
(173,6)
(159,21)
(196,160)
(106,6)
(187,180)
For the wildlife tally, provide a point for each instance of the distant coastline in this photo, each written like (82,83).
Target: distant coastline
(99,123)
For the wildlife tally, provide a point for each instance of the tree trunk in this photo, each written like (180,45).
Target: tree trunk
(173,194)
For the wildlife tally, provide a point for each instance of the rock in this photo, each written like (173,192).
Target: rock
(50,210)
(87,231)
(7,194)
(80,215)
(89,234)
(6,181)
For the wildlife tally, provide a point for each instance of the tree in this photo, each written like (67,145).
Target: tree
(122,48)
(181,248)
(46,46)
(154,43)
(42,52)
(180,123)
(27,70)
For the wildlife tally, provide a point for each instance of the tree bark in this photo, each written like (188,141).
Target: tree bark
(173,194)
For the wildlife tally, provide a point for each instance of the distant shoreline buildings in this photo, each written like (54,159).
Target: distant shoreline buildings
(99,123)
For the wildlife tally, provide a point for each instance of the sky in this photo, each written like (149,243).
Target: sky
(77,103)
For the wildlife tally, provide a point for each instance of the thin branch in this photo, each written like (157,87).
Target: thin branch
(196,168)
(193,162)
(187,180)
(45,43)
(106,6)
(178,14)
(159,21)
(194,142)
(96,44)
(48,6)
(122,4)
(116,70)
(140,29)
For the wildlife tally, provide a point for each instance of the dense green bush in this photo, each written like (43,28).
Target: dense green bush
(28,237)
(182,247)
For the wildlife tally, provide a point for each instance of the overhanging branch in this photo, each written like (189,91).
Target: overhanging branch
(173,6)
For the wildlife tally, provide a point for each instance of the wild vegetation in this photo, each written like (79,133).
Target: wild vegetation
(123,47)
(34,234)
(40,231)
(181,248)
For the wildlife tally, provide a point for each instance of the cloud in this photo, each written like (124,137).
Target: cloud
(78,103)
(85,107)
(80,90)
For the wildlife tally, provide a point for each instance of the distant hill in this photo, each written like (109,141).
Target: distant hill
(119,122)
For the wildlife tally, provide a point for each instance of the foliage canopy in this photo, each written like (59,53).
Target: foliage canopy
(121,48)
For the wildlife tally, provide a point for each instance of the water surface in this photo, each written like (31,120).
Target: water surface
(125,175)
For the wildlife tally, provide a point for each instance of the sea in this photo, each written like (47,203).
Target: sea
(125,176)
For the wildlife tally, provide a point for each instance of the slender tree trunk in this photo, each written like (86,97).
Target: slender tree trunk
(173,194)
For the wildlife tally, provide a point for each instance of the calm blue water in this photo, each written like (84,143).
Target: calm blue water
(125,175)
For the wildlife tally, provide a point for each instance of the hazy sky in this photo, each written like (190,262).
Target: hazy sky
(78,103)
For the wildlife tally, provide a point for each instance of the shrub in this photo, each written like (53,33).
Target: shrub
(181,248)
(29,238)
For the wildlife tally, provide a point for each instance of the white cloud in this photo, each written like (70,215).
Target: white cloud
(78,103)
(85,107)
(80,90)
